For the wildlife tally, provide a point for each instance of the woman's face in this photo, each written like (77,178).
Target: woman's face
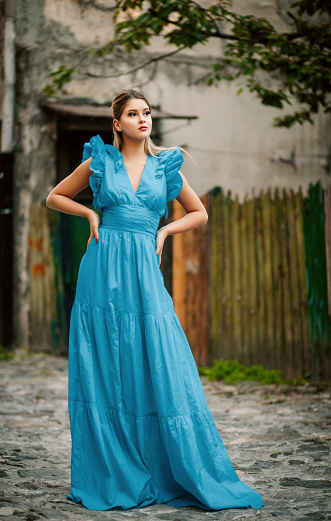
(135,121)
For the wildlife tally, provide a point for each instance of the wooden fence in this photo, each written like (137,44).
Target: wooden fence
(248,286)
(253,284)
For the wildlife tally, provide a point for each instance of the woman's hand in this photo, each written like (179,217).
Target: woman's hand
(161,236)
(94,220)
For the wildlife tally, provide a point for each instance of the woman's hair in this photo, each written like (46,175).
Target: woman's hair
(118,105)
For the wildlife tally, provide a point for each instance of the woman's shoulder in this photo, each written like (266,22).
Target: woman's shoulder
(171,159)
(97,147)
(170,153)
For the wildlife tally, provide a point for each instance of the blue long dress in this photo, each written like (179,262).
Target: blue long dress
(141,430)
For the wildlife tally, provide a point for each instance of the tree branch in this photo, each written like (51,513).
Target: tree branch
(135,69)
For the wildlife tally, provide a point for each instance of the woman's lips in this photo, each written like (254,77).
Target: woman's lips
(143,128)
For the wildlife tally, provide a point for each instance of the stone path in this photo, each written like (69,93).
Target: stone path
(277,436)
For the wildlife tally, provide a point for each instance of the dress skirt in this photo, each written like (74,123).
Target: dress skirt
(142,432)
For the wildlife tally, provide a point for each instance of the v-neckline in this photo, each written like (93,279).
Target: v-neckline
(127,175)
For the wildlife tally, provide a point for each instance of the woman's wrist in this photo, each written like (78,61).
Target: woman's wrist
(164,230)
(90,213)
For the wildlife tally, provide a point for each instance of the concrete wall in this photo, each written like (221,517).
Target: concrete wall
(232,140)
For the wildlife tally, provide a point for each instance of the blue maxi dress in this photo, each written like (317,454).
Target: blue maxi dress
(141,430)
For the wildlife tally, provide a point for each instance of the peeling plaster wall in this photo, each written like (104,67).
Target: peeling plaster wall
(236,147)
(88,25)
(233,140)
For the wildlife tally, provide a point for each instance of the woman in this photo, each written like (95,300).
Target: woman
(141,430)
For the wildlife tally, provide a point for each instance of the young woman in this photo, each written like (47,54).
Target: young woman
(141,430)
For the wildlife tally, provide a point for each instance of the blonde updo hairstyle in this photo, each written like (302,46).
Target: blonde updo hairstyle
(118,105)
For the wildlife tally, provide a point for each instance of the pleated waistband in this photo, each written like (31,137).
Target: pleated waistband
(130,218)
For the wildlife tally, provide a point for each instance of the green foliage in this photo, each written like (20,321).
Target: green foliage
(5,354)
(63,75)
(313,6)
(232,372)
(300,60)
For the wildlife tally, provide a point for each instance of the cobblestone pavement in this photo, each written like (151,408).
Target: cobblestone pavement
(277,436)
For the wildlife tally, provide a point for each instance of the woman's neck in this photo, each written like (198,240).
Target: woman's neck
(133,149)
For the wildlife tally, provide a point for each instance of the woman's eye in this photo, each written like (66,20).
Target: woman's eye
(132,113)
(147,112)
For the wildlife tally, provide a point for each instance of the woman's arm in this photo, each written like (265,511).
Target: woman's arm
(196,215)
(60,198)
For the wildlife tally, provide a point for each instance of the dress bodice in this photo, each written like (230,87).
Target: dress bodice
(111,186)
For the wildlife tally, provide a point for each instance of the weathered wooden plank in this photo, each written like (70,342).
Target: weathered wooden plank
(295,359)
(237,281)
(191,268)
(302,283)
(293,283)
(204,317)
(326,362)
(196,291)
(326,367)
(265,278)
(178,269)
(277,271)
(215,276)
(252,281)
(246,324)
(259,315)
(327,231)
(326,194)
(221,252)
(270,246)
(42,280)
(227,289)
(280,276)
(262,317)
(286,282)
(316,273)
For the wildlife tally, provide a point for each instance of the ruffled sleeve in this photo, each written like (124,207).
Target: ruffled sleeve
(95,148)
(173,161)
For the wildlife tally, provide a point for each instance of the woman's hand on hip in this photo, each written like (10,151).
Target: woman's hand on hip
(94,221)
(161,236)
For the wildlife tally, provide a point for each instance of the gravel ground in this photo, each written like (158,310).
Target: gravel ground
(278,438)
